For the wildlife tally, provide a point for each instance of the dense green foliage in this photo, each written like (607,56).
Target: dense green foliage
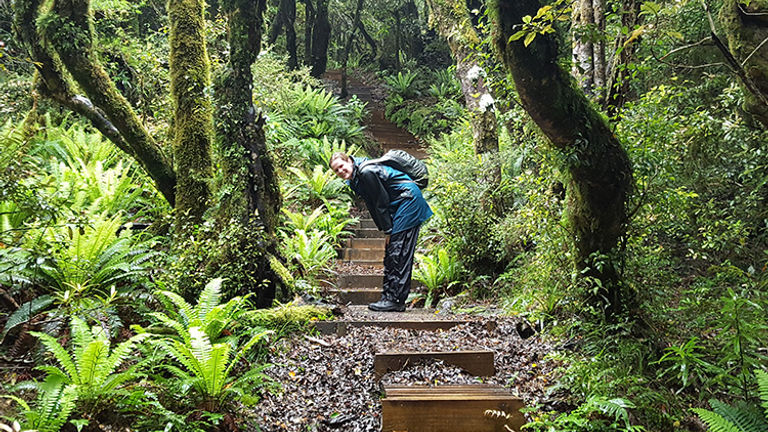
(121,317)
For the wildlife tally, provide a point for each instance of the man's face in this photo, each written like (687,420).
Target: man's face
(343,168)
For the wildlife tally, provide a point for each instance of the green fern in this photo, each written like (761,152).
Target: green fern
(313,251)
(52,408)
(25,313)
(206,366)
(740,417)
(91,366)
(208,314)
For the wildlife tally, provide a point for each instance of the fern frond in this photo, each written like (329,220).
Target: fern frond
(81,336)
(245,348)
(746,418)
(217,365)
(715,421)
(120,353)
(185,310)
(209,298)
(200,347)
(94,354)
(762,389)
(180,329)
(61,355)
(25,313)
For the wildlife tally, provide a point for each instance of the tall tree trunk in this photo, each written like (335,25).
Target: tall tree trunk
(70,31)
(193,115)
(368,39)
(598,55)
(746,28)
(309,22)
(617,86)
(348,47)
(321,35)
(453,22)
(599,169)
(252,201)
(583,48)
(589,62)
(398,39)
(286,19)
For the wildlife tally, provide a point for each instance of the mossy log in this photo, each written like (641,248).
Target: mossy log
(193,115)
(600,174)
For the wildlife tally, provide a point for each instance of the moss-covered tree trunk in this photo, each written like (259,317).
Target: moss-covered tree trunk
(193,115)
(600,175)
(248,193)
(619,76)
(69,29)
(452,21)
(321,35)
(746,27)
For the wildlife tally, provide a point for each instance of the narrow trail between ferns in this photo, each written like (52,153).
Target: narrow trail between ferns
(422,370)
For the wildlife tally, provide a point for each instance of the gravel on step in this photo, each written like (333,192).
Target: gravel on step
(328,383)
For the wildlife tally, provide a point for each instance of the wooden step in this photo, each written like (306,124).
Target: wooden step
(339,327)
(357,254)
(376,264)
(357,296)
(366,243)
(366,223)
(359,281)
(477,363)
(449,409)
(368,233)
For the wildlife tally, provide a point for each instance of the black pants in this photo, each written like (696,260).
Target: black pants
(398,265)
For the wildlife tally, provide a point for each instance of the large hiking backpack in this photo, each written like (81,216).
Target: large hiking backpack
(404,162)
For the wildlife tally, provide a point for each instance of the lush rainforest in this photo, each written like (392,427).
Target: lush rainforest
(169,220)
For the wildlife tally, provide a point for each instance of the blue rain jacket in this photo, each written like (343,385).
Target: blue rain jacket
(393,199)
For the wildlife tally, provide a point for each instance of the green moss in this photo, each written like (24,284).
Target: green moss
(289,317)
(193,119)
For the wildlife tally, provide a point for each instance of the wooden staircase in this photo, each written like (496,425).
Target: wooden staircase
(441,408)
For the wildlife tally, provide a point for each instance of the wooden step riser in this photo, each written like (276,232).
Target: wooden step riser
(476,363)
(368,233)
(359,281)
(357,296)
(362,254)
(457,415)
(366,243)
(339,328)
(366,223)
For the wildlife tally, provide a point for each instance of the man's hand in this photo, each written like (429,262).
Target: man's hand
(386,240)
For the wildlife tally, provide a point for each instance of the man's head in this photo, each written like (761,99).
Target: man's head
(342,165)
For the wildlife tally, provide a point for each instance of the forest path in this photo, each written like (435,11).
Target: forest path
(422,370)
(378,127)
(407,405)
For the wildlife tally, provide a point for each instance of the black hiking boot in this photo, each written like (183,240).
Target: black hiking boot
(386,306)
